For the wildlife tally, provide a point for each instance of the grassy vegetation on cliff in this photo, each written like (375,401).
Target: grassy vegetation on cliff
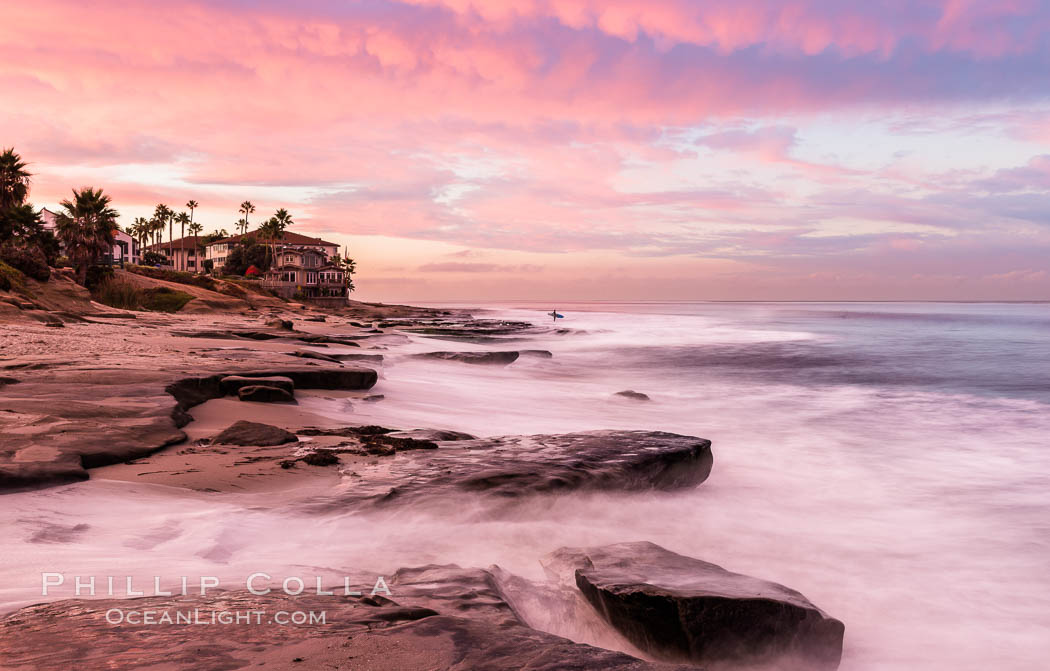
(177,276)
(12,279)
(117,293)
(228,285)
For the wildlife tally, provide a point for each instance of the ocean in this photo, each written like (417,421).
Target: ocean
(888,460)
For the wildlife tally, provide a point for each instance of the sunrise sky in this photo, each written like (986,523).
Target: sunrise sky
(568,149)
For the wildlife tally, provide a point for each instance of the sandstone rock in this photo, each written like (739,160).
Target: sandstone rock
(370,358)
(633,395)
(346,341)
(192,391)
(679,608)
(437,618)
(478,358)
(306,354)
(283,324)
(260,393)
(320,458)
(516,466)
(434,434)
(255,434)
(232,384)
(538,353)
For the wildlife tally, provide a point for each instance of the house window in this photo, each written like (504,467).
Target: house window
(311,278)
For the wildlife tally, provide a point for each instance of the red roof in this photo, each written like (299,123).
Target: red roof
(252,270)
(289,238)
(178,243)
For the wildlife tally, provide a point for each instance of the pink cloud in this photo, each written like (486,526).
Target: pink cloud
(525,125)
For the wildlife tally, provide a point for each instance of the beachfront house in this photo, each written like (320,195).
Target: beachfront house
(49,220)
(125,247)
(305,273)
(218,250)
(182,254)
(125,250)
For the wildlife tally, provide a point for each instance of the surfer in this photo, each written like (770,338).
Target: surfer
(555,316)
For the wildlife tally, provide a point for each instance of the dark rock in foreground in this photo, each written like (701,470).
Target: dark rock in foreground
(435,618)
(633,395)
(679,608)
(254,433)
(516,466)
(232,384)
(261,393)
(478,358)
(320,458)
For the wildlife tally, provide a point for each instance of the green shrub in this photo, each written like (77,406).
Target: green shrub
(8,275)
(97,276)
(152,258)
(118,294)
(12,279)
(163,299)
(30,260)
(177,276)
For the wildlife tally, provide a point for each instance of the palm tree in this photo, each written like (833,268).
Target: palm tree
(191,205)
(140,230)
(171,232)
(183,219)
(160,215)
(242,225)
(156,225)
(246,208)
(14,179)
(195,229)
(86,228)
(275,228)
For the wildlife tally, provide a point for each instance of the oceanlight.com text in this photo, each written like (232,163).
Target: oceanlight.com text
(197,616)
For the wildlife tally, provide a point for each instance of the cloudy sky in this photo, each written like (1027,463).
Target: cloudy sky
(556,149)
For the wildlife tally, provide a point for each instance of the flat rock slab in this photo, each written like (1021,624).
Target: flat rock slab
(436,618)
(231,384)
(679,608)
(633,395)
(516,466)
(254,433)
(477,358)
(261,393)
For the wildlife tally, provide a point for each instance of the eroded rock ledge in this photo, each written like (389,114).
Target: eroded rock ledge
(60,422)
(436,617)
(514,466)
